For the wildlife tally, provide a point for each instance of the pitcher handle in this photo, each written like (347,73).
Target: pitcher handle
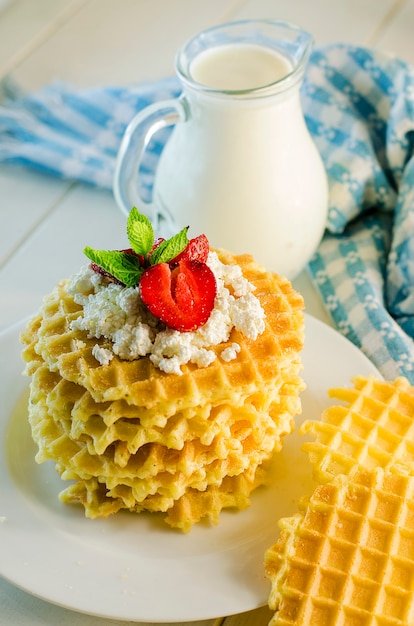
(133,145)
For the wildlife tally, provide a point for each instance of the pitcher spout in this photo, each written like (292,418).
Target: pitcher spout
(285,41)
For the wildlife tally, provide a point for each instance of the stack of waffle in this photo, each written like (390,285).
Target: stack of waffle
(347,557)
(129,436)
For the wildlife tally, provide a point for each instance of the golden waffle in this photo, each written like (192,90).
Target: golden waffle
(182,513)
(373,428)
(133,437)
(140,383)
(118,424)
(347,557)
(249,438)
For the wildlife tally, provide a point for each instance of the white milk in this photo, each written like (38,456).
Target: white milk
(238,67)
(244,170)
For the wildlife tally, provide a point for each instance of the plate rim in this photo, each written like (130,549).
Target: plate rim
(66,599)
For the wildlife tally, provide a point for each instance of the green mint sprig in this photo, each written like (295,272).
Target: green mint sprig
(140,232)
(170,248)
(127,267)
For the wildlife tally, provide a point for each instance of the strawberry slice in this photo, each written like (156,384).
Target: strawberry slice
(181,297)
(197,249)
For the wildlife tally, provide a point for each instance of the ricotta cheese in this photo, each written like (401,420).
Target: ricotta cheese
(117,313)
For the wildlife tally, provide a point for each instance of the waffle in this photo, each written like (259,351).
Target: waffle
(132,437)
(373,428)
(347,557)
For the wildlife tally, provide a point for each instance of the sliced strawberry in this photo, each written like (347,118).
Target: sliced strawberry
(197,249)
(181,297)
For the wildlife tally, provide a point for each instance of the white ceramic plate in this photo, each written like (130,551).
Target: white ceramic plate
(133,567)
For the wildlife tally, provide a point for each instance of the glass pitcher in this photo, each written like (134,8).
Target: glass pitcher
(240,164)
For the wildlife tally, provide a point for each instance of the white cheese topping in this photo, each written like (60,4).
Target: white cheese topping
(118,314)
(230,353)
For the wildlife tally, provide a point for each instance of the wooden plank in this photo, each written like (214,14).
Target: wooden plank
(26,197)
(119,42)
(349,21)
(397,33)
(24,24)
(259,617)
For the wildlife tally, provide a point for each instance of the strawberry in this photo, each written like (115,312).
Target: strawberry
(197,249)
(181,297)
(178,289)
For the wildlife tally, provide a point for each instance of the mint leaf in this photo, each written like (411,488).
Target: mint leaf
(170,248)
(123,266)
(140,232)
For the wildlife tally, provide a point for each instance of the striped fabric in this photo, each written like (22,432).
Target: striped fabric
(359,107)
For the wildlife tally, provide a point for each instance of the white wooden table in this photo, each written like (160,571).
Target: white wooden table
(45,222)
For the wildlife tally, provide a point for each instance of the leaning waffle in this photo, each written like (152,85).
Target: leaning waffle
(374,428)
(347,557)
(133,437)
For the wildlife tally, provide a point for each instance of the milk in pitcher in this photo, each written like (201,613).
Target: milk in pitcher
(266,190)
(240,164)
(237,67)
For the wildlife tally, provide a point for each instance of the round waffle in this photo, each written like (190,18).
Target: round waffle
(374,427)
(347,556)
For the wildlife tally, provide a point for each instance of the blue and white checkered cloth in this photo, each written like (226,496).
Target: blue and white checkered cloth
(359,106)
